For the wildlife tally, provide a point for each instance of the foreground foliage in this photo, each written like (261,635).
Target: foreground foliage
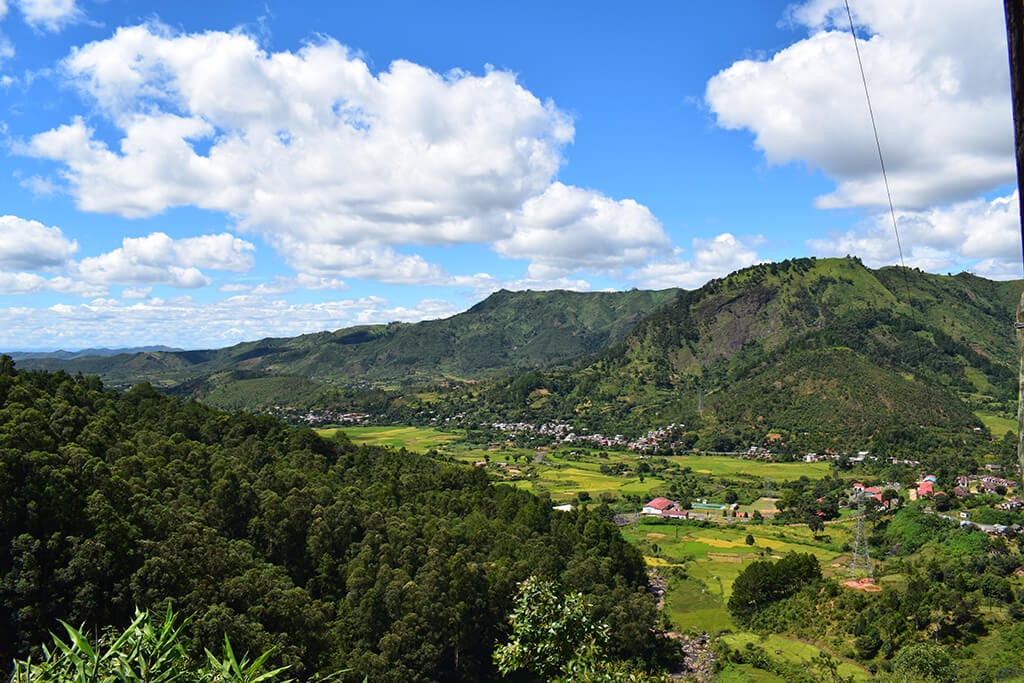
(556,638)
(145,652)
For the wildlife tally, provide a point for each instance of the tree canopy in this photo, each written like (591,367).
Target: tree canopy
(398,566)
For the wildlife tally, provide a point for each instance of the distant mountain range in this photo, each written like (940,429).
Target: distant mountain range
(822,345)
(73,355)
(506,332)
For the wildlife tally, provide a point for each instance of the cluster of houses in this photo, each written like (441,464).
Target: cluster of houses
(666,508)
(926,487)
(556,430)
(861,456)
(965,486)
(985,483)
(659,438)
(318,418)
(656,439)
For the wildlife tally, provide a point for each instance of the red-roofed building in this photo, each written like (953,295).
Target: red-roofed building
(663,507)
(925,488)
(874,492)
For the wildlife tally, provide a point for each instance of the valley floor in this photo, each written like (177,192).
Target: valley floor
(697,558)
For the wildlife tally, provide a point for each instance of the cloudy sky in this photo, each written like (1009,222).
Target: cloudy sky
(197,174)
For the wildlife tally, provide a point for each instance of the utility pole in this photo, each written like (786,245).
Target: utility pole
(1015,46)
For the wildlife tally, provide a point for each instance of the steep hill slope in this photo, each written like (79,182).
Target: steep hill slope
(820,347)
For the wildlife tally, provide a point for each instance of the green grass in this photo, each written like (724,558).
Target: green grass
(793,651)
(566,482)
(715,555)
(745,673)
(997,424)
(417,439)
(694,606)
(725,466)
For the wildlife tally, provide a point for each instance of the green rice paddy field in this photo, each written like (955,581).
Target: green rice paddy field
(724,466)
(418,439)
(564,474)
(712,557)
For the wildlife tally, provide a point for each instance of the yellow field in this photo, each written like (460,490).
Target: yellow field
(417,439)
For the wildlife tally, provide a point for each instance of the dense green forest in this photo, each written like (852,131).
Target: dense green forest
(395,566)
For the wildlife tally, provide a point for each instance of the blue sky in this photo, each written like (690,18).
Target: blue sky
(199,174)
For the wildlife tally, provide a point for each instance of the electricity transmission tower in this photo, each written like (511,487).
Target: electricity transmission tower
(861,562)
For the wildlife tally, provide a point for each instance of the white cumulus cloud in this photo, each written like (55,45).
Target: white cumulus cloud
(49,15)
(325,260)
(159,259)
(335,166)
(567,229)
(938,77)
(30,245)
(711,258)
(977,234)
(21,283)
(307,144)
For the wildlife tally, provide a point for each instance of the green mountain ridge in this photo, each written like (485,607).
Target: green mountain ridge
(506,331)
(815,353)
(820,352)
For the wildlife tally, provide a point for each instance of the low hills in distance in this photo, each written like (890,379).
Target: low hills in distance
(506,332)
(805,354)
(61,354)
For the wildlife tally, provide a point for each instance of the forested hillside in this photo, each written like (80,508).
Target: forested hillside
(811,353)
(397,566)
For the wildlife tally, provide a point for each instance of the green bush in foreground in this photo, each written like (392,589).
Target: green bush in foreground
(556,638)
(145,652)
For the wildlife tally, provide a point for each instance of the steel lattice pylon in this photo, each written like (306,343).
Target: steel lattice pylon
(861,565)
